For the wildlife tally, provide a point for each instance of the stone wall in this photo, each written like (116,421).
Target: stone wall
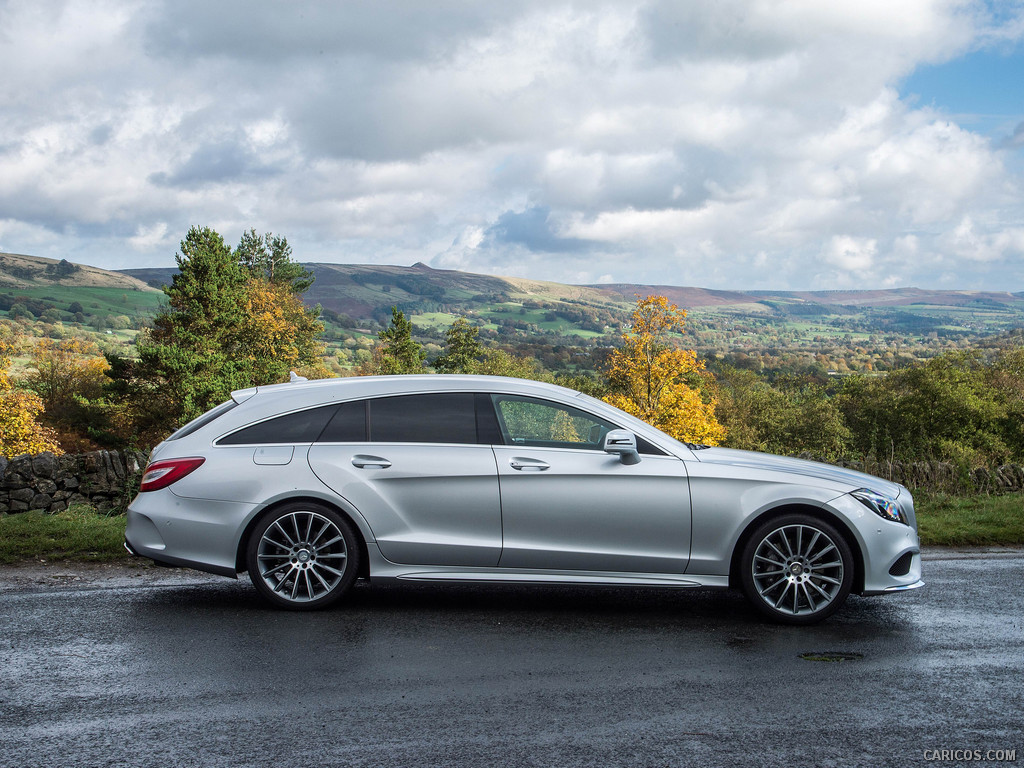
(109,479)
(104,479)
(940,475)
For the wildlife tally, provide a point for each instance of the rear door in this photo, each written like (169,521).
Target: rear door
(415,469)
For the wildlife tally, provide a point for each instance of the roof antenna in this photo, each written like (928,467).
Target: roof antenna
(294,377)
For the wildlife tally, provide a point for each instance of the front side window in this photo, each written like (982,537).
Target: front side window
(541,423)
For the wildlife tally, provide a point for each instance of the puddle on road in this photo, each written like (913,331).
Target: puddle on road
(831,656)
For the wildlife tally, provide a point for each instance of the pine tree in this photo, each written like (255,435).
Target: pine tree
(270,256)
(397,352)
(462,349)
(227,326)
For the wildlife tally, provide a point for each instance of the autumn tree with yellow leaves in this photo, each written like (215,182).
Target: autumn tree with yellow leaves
(20,430)
(655,380)
(278,334)
(69,376)
(65,373)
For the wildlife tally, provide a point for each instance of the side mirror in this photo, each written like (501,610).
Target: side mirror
(622,442)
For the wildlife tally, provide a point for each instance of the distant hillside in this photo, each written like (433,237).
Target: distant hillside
(564,327)
(361,290)
(55,298)
(19,272)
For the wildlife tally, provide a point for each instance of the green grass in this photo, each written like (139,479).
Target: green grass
(433,320)
(79,533)
(97,299)
(959,521)
(82,534)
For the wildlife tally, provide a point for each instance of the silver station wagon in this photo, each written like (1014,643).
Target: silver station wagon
(311,485)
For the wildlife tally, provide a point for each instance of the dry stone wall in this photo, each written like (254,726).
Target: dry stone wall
(104,479)
(109,479)
(940,475)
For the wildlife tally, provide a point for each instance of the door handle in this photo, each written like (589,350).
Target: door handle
(524,464)
(375,462)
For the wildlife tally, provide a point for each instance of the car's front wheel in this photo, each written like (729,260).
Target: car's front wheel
(796,569)
(303,556)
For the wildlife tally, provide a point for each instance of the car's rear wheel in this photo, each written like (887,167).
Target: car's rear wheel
(796,569)
(303,556)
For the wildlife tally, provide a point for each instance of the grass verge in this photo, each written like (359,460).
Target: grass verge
(967,521)
(79,533)
(83,534)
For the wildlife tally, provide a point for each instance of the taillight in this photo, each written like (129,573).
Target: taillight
(160,474)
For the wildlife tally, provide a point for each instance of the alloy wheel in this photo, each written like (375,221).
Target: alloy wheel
(798,570)
(302,556)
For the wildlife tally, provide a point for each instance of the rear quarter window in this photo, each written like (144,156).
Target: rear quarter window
(202,421)
(298,427)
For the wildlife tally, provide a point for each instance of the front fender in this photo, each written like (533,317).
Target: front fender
(725,507)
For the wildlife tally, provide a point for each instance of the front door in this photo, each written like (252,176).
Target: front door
(568,505)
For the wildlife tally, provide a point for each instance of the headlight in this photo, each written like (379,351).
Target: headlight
(881,505)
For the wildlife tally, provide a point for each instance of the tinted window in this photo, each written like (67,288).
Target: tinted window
(348,424)
(447,417)
(487,430)
(299,427)
(203,420)
(642,446)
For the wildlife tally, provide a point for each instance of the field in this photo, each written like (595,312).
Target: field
(771,332)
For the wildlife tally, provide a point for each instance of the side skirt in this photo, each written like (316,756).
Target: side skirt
(384,571)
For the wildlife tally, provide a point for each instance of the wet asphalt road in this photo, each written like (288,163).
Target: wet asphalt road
(189,670)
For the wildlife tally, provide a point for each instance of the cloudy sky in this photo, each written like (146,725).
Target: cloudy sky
(727,144)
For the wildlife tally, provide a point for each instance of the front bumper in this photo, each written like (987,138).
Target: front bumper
(882,543)
(901,588)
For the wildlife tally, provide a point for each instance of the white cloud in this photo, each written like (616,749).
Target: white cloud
(149,238)
(745,142)
(851,254)
(974,246)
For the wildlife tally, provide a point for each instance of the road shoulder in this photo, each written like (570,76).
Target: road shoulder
(40,574)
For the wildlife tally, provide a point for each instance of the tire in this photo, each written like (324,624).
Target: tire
(303,556)
(796,569)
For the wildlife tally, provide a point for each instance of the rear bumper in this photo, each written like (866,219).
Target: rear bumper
(189,533)
(169,561)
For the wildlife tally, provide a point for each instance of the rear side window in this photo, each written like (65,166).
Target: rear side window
(348,424)
(202,421)
(445,417)
(299,427)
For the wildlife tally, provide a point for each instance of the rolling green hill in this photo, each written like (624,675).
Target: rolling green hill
(565,326)
(51,298)
(60,283)
(365,293)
